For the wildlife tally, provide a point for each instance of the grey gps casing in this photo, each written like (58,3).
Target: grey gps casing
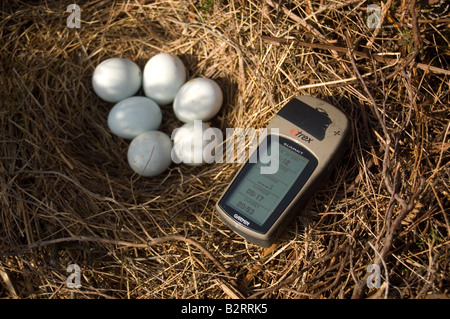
(318,132)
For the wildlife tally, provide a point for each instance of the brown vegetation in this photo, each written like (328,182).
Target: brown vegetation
(68,196)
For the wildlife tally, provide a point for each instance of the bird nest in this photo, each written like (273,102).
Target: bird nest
(378,227)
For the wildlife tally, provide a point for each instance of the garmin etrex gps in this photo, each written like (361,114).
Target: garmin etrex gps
(311,137)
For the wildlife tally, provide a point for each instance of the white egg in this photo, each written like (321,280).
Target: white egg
(149,153)
(164,74)
(198,99)
(133,116)
(116,79)
(189,143)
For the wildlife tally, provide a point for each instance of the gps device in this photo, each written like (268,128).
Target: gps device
(311,136)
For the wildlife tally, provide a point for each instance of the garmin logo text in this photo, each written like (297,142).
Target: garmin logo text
(242,220)
(301,135)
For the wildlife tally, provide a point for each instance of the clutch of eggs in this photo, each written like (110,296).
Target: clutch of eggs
(138,118)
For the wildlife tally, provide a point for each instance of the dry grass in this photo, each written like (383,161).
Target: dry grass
(68,196)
